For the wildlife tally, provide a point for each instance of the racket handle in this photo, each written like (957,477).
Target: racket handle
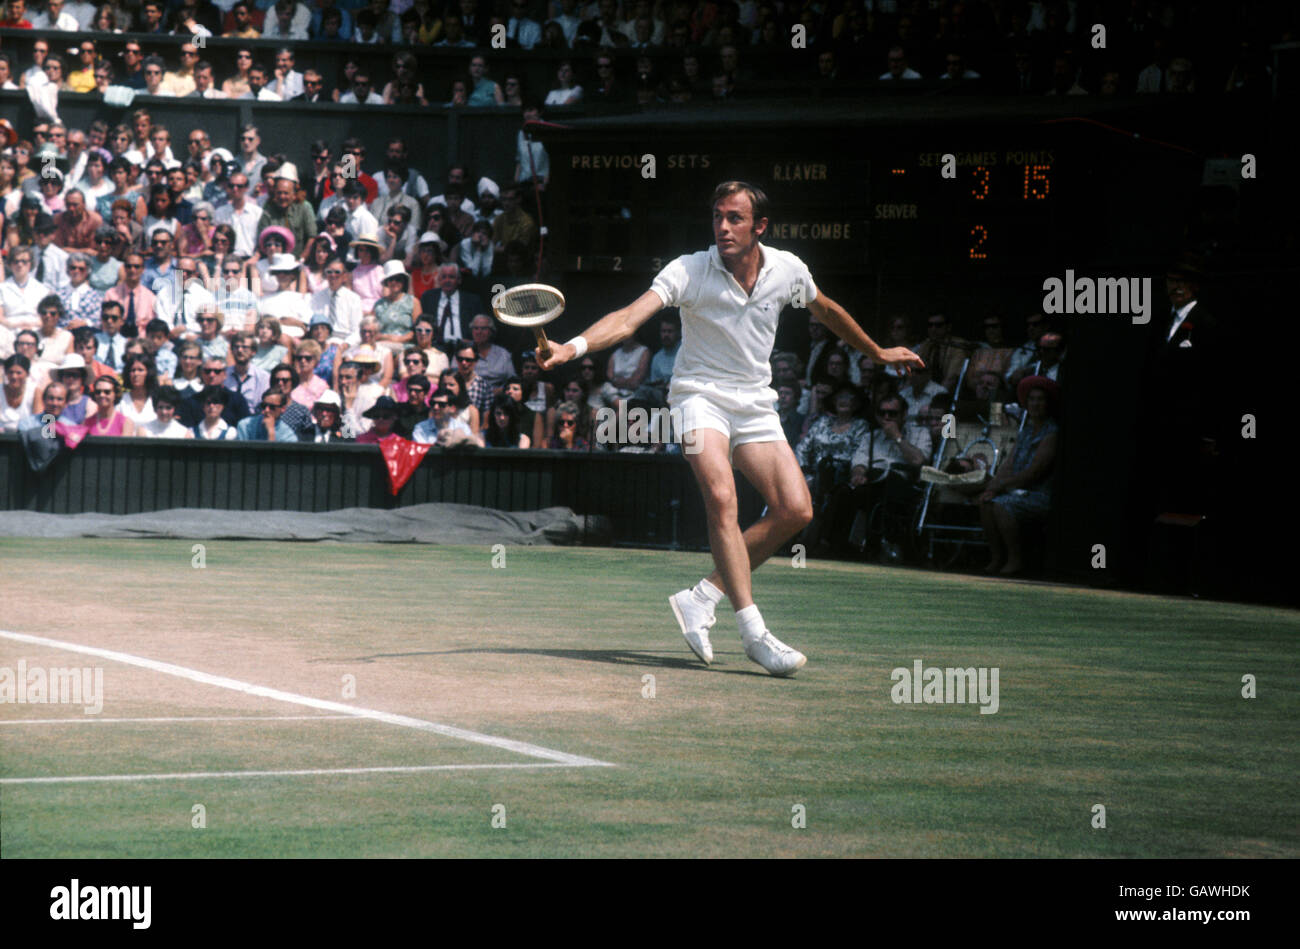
(543,347)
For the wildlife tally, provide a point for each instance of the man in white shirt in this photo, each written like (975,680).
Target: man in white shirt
(362,91)
(523,31)
(360,220)
(21,293)
(896,60)
(83,13)
(49,260)
(731,298)
(180,309)
(287,82)
(55,18)
(257,88)
(340,303)
(242,214)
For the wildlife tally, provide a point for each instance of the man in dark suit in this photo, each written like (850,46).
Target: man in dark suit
(1186,413)
(313,88)
(451,308)
(190,412)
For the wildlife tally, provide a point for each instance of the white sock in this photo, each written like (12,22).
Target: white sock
(751,623)
(706,592)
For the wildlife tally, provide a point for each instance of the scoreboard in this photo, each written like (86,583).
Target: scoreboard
(1000,201)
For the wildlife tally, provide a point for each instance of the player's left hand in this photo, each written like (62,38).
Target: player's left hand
(902,357)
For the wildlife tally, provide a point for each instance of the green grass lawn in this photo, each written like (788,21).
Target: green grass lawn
(1127,701)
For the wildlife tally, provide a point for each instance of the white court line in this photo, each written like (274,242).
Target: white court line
(198,775)
(92,720)
(450,731)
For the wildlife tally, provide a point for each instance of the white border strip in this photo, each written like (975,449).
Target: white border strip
(450,731)
(203,775)
(92,720)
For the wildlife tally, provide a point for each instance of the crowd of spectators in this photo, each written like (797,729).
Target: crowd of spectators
(862,433)
(656,52)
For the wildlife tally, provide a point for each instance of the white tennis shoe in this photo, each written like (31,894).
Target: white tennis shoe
(773,655)
(695,619)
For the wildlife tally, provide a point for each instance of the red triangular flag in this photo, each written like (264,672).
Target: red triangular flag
(401,457)
(72,434)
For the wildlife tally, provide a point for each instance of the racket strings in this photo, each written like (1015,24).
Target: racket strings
(528,303)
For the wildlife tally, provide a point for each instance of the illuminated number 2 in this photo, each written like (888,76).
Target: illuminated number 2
(980,235)
(1036,182)
(981,189)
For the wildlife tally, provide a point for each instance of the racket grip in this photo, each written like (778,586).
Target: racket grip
(543,346)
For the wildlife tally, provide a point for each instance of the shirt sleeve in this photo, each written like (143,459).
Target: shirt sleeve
(671,282)
(803,278)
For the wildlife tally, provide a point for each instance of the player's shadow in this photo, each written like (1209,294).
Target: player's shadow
(618,657)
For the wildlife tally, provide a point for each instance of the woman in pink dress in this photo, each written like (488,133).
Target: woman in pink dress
(107,420)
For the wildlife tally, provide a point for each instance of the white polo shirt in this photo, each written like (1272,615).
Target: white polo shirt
(727,337)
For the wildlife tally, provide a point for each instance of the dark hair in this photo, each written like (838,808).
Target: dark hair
(82,333)
(53,300)
(283,367)
(18,359)
(157,326)
(496,437)
(757,197)
(214,394)
(151,375)
(167,394)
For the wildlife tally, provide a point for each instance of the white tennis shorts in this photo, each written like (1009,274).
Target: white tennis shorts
(743,415)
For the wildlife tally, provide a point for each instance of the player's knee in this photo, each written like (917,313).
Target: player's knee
(720,501)
(800,513)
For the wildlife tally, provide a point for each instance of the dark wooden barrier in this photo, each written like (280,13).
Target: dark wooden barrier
(640,494)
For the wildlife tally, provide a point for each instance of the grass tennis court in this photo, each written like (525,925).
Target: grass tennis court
(524,687)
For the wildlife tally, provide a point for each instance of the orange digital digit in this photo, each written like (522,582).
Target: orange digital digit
(1037,182)
(981,189)
(980,235)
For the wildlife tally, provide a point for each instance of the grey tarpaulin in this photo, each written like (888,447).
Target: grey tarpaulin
(419,523)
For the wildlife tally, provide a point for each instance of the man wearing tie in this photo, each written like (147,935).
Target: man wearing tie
(451,307)
(520,30)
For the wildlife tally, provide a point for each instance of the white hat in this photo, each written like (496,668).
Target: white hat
(395,268)
(222,153)
(289,171)
(72,361)
(429,237)
(283,263)
(489,186)
(328,397)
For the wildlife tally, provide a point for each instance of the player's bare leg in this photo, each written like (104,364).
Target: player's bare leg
(773,470)
(790,508)
(717,482)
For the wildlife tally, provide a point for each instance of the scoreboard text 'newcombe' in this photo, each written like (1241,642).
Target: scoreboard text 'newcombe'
(988,159)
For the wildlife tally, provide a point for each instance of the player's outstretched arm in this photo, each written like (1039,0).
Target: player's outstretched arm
(836,319)
(610,330)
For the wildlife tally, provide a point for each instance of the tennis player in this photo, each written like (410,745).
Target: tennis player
(730,298)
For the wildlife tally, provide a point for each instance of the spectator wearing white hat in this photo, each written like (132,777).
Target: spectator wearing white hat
(367,275)
(426,256)
(489,200)
(286,303)
(396,310)
(327,416)
(72,373)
